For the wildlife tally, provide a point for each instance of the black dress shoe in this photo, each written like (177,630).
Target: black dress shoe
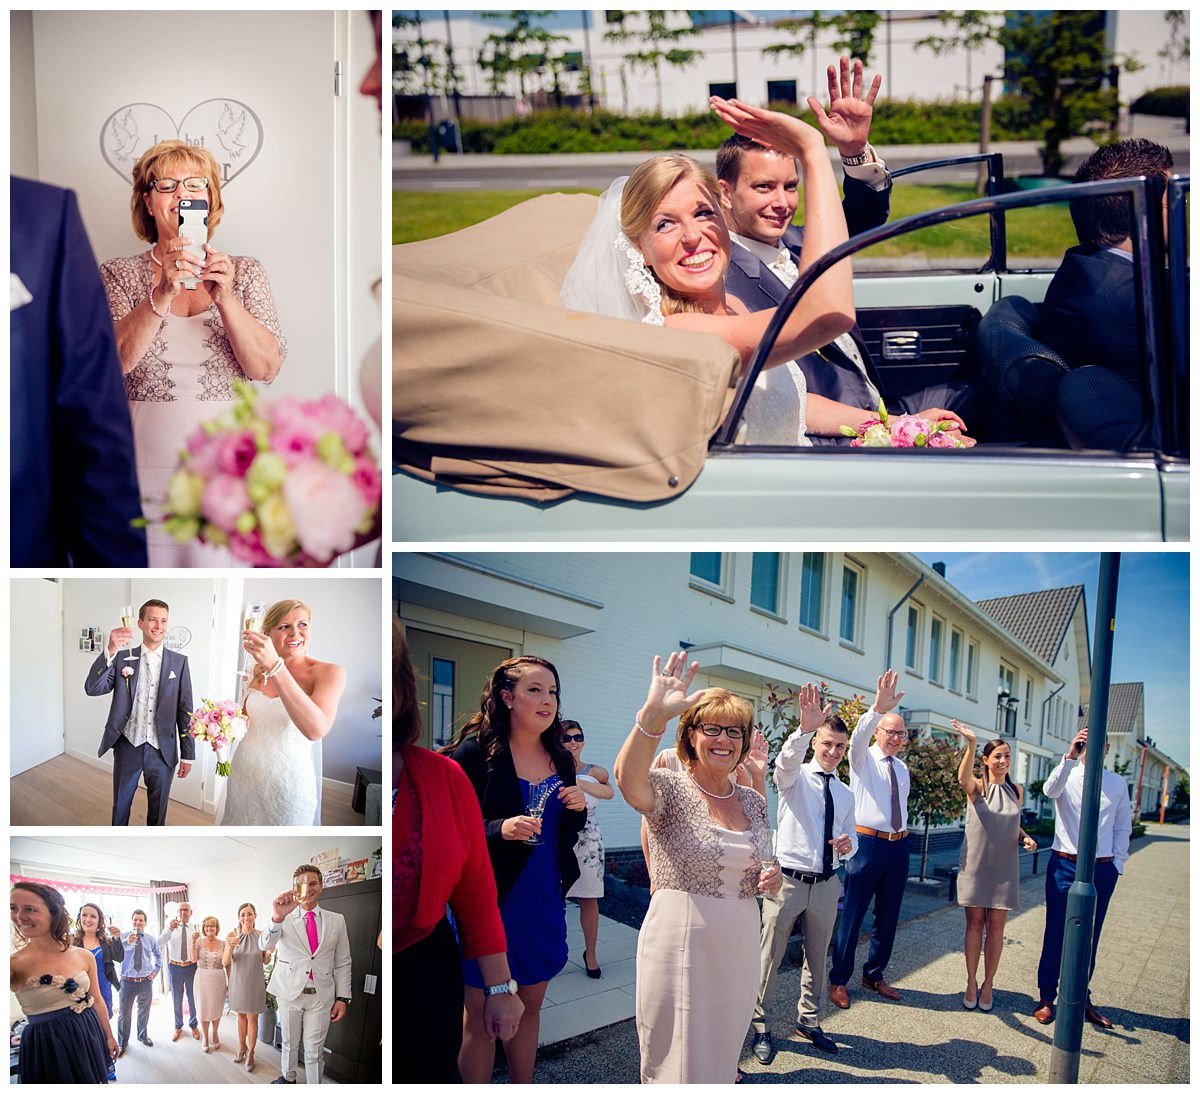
(281,1079)
(146,1041)
(121,1050)
(764,1048)
(818,1037)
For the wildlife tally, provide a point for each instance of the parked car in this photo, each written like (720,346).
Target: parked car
(477,312)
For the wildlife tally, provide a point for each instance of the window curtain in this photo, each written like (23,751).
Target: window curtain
(160,909)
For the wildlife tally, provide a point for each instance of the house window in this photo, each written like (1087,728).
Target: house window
(441,707)
(973,670)
(1007,701)
(912,637)
(852,577)
(812,589)
(1028,700)
(936,628)
(723,90)
(706,567)
(764,582)
(955,658)
(781,91)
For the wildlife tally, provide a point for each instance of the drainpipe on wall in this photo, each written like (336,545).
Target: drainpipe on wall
(1042,739)
(887,663)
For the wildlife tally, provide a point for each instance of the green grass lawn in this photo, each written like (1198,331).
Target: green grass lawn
(1042,231)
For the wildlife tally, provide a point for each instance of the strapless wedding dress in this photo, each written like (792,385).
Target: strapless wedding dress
(273,780)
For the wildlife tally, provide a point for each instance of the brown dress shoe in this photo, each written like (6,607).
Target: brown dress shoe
(1044,1012)
(176,1035)
(1095,1017)
(883,987)
(838,996)
(195,1033)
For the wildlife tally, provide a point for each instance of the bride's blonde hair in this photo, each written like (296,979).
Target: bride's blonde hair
(275,615)
(645,189)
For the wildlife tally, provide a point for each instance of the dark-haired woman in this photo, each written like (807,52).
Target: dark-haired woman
(68,1039)
(524,778)
(989,881)
(440,858)
(105,945)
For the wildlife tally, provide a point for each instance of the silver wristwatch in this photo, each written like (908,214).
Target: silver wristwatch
(509,987)
(859,160)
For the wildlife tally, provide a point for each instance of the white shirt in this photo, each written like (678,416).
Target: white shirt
(169,942)
(870,781)
(1065,786)
(302,915)
(801,817)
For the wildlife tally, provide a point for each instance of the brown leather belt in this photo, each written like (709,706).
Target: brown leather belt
(1075,858)
(183,964)
(862,830)
(135,979)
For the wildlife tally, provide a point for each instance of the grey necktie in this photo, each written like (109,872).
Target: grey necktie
(137,954)
(891,762)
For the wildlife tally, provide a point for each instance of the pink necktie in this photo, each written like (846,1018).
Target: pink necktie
(310,925)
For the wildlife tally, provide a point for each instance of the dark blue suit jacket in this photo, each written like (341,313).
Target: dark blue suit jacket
(174,708)
(73,478)
(830,373)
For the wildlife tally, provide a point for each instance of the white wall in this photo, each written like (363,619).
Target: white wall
(35,624)
(22,112)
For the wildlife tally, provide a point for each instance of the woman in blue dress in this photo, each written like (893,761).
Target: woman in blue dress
(533,812)
(108,950)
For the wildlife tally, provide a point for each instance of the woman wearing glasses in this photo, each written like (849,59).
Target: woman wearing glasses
(589,849)
(182,348)
(710,856)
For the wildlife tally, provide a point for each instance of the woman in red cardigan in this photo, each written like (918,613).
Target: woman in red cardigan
(441,858)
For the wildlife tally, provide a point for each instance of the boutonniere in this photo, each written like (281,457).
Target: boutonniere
(127,672)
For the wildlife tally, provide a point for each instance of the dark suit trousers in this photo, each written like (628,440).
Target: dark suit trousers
(877,872)
(183,978)
(130,762)
(143,992)
(1060,875)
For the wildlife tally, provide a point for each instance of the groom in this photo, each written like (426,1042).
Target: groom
(147,726)
(311,980)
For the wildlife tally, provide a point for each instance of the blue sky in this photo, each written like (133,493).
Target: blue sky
(1153,623)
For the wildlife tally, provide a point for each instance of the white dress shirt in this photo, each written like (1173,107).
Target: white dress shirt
(170,942)
(1065,786)
(870,781)
(801,841)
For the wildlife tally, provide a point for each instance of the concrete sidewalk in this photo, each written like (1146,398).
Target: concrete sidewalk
(1141,983)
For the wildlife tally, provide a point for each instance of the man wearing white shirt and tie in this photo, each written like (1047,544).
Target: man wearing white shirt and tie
(1064,787)
(815,833)
(879,871)
(311,980)
(176,945)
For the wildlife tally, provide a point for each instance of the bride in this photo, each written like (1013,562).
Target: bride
(658,249)
(292,703)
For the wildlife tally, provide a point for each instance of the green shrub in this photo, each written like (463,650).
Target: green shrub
(1139,829)
(1165,102)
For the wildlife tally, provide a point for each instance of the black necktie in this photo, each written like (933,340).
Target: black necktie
(137,954)
(827,836)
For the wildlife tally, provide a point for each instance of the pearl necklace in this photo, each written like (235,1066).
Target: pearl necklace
(154,258)
(719,797)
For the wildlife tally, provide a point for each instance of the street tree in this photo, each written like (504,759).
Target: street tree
(521,50)
(415,69)
(934,794)
(660,41)
(968,31)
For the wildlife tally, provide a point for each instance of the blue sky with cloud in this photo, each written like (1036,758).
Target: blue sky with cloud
(1151,643)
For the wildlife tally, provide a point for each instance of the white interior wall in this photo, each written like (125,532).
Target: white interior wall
(35,710)
(22,111)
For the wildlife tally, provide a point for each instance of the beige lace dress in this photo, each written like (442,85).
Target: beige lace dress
(184,378)
(698,951)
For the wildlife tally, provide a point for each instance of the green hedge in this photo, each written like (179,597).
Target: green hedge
(906,122)
(1166,102)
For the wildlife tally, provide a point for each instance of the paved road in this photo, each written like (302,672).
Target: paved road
(1141,982)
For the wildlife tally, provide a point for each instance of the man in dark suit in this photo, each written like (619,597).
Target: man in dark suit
(1090,314)
(759,198)
(74,492)
(147,726)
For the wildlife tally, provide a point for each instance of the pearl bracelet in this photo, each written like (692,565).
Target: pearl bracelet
(646,733)
(160,314)
(276,669)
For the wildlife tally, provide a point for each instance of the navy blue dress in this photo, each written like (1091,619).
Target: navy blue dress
(534,911)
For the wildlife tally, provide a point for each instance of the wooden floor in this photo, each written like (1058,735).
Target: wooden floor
(69,791)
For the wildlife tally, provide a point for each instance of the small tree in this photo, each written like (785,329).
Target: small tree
(1179,46)
(781,706)
(1036,791)
(934,793)
(414,68)
(658,38)
(804,39)
(855,33)
(1181,797)
(521,50)
(969,31)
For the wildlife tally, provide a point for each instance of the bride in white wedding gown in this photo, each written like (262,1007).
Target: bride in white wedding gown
(291,705)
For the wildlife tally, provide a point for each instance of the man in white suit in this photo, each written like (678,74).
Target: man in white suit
(311,980)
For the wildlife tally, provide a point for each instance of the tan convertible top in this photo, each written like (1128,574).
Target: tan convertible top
(498,389)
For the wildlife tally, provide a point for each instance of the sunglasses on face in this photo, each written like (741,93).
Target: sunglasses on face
(169,186)
(712,730)
(572,737)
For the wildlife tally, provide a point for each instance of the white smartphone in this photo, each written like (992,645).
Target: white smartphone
(193,223)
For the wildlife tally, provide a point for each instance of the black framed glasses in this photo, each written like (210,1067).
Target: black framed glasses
(572,737)
(168,186)
(711,729)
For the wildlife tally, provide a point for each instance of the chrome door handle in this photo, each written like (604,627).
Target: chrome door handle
(901,345)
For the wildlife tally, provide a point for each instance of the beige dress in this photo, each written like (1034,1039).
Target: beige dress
(988,866)
(210,983)
(697,955)
(184,378)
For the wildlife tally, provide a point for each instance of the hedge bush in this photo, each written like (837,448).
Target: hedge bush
(1165,102)
(905,122)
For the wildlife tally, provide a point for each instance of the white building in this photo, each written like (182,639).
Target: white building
(732,45)
(751,620)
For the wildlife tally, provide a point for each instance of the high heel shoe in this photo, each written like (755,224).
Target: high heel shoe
(593,974)
(986,1008)
(250,1062)
(973,1003)
(241,1055)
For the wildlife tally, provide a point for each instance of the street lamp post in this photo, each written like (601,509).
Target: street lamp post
(1081,898)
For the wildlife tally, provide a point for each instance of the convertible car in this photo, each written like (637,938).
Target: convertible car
(516,419)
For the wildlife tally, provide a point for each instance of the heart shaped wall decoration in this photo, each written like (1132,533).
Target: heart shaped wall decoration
(227,128)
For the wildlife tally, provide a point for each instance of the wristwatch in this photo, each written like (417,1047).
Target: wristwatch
(859,160)
(509,987)
(343,999)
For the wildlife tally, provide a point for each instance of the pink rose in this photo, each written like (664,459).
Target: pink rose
(941,439)
(906,429)
(326,508)
(335,415)
(368,479)
(235,453)
(127,672)
(249,548)
(295,433)
(202,453)
(225,499)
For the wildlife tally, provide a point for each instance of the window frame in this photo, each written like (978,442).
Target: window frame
(780,606)
(917,608)
(822,612)
(935,659)
(954,672)
(722,589)
(852,565)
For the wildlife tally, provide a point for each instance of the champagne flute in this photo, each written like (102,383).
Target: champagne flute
(127,620)
(252,620)
(537,798)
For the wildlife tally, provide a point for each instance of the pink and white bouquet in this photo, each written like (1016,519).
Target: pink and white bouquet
(903,431)
(284,483)
(221,724)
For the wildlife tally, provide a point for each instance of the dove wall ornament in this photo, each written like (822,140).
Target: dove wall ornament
(227,128)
